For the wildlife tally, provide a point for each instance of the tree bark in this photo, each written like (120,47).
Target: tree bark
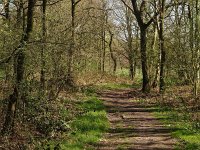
(130,45)
(42,71)
(157,72)
(19,72)
(143,42)
(162,48)
(196,57)
(103,48)
(139,14)
(112,53)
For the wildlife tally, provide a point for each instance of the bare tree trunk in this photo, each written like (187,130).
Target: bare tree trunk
(19,71)
(194,41)
(196,57)
(42,71)
(130,50)
(100,57)
(105,20)
(157,72)
(143,42)
(103,48)
(162,48)
(131,69)
(70,80)
(112,53)
(139,14)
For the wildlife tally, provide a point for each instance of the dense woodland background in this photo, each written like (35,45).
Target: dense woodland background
(50,49)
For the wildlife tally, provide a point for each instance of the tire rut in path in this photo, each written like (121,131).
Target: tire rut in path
(133,125)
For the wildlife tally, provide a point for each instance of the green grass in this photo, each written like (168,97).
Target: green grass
(86,129)
(184,129)
(93,104)
(90,91)
(122,72)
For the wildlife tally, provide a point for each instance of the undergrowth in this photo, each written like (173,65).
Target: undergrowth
(181,128)
(86,128)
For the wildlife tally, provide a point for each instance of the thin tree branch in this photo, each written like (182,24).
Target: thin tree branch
(127,6)
(77,2)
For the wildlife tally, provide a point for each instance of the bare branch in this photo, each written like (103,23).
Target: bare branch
(7,59)
(77,2)
(127,6)
(174,4)
(151,20)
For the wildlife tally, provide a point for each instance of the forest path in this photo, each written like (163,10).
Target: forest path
(132,123)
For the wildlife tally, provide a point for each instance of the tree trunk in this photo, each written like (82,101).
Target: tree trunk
(70,80)
(139,14)
(112,53)
(143,42)
(42,71)
(103,48)
(19,71)
(130,51)
(105,20)
(162,48)
(196,39)
(131,68)
(157,72)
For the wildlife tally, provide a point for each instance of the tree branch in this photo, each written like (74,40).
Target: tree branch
(77,2)
(151,20)
(137,13)
(174,4)
(6,60)
(127,6)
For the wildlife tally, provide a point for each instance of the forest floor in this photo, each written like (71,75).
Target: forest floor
(133,124)
(109,116)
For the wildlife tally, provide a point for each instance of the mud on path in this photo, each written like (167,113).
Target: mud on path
(132,124)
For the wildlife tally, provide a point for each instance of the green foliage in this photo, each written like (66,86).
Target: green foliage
(48,116)
(171,81)
(89,91)
(93,104)
(181,127)
(122,72)
(91,121)
(86,129)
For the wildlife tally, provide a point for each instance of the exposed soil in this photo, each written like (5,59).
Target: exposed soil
(132,123)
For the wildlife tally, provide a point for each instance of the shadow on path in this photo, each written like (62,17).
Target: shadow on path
(133,125)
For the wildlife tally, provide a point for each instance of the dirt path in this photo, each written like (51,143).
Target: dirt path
(133,125)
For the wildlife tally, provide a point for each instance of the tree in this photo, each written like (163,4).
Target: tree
(42,71)
(129,37)
(112,53)
(193,15)
(162,48)
(19,58)
(140,17)
(70,80)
